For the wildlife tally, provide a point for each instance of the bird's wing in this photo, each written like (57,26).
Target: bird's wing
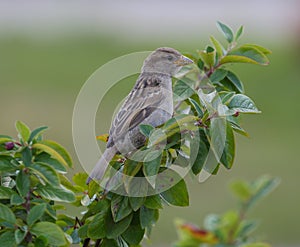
(139,104)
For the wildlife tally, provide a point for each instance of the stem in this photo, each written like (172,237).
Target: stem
(27,202)
(27,208)
(86,242)
(233,230)
(98,242)
(173,128)
(77,221)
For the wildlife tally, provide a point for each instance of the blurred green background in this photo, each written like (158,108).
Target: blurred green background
(48,50)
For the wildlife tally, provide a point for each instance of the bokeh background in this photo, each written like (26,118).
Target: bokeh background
(48,49)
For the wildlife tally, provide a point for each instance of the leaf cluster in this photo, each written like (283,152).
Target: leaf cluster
(32,175)
(232,228)
(199,139)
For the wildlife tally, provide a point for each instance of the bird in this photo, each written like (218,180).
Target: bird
(149,102)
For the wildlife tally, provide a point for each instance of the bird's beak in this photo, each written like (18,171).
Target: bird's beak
(183,61)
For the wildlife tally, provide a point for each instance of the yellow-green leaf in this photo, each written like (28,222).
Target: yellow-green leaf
(103,137)
(23,130)
(260,48)
(208,56)
(5,139)
(218,47)
(56,151)
(246,54)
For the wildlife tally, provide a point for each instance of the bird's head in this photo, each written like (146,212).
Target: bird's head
(165,60)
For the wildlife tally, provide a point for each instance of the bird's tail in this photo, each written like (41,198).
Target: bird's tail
(102,164)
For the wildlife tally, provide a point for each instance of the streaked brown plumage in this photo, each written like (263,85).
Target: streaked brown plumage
(149,102)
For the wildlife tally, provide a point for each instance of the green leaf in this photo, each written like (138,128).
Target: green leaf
(94,188)
(116,229)
(200,64)
(97,227)
(57,193)
(134,233)
(242,103)
(226,31)
(183,89)
(200,149)
(245,54)
(208,56)
(262,187)
(26,156)
(23,183)
(23,130)
(228,221)
(236,126)
(153,202)
(41,241)
(120,207)
(4,139)
(131,167)
(260,48)
(177,195)
(218,47)
(80,180)
(35,133)
(151,165)
(136,202)
(16,199)
(56,151)
(50,231)
(83,231)
(109,243)
(242,190)
(35,213)
(217,140)
(218,75)
(235,81)
(5,164)
(6,193)
(6,214)
(226,96)
(6,136)
(146,129)
(8,239)
(245,228)
(46,172)
(172,187)
(148,217)
(19,236)
(67,184)
(211,222)
(46,158)
(75,237)
(196,106)
(227,157)
(239,33)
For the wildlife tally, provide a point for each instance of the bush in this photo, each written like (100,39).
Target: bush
(231,228)
(199,139)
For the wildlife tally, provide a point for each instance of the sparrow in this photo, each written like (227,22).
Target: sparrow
(149,102)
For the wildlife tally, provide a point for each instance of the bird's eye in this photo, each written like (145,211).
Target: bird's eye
(170,58)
